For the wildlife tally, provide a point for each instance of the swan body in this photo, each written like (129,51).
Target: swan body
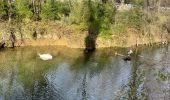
(45,56)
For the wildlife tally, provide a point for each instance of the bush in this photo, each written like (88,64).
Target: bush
(3,10)
(50,10)
(128,19)
(21,10)
(54,10)
(96,17)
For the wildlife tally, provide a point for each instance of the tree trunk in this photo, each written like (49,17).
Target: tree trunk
(36,4)
(159,5)
(147,4)
(9,10)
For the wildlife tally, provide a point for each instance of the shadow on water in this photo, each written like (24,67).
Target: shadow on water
(89,65)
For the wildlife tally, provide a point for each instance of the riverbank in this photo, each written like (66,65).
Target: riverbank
(83,24)
(50,33)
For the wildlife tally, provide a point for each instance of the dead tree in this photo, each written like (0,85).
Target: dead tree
(12,38)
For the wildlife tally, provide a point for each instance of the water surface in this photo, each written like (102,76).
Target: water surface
(73,75)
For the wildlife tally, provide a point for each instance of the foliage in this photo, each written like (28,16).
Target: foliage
(162,75)
(50,10)
(22,10)
(136,2)
(128,19)
(107,13)
(2,9)
(53,10)
(101,18)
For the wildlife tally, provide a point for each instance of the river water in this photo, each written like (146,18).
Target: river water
(73,75)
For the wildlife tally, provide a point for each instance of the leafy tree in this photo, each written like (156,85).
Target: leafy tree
(99,16)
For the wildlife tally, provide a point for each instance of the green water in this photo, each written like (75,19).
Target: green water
(73,75)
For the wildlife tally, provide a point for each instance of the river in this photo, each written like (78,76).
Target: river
(73,75)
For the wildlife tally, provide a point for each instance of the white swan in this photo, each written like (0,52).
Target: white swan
(45,56)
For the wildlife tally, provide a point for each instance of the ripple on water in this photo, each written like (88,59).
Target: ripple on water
(73,76)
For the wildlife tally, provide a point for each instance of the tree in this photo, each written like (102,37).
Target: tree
(36,9)
(10,9)
(98,17)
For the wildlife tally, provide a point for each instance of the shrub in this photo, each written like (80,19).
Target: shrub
(22,10)
(128,19)
(50,10)
(54,10)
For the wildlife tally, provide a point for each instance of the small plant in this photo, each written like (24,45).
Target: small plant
(162,75)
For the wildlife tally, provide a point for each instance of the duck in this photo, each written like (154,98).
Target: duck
(128,57)
(45,56)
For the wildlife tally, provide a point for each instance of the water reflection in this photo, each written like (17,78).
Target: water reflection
(72,76)
(99,86)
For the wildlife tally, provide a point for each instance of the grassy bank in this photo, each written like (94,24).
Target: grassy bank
(55,33)
(86,24)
